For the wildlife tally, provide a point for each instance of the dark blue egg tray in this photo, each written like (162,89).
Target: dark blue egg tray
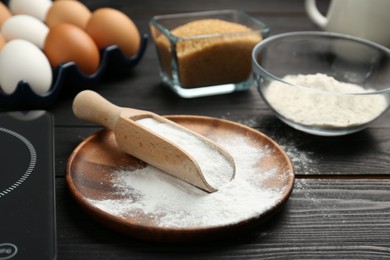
(67,78)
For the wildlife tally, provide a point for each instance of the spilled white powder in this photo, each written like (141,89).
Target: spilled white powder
(170,202)
(215,168)
(320,108)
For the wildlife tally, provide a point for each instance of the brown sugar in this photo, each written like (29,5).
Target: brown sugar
(209,52)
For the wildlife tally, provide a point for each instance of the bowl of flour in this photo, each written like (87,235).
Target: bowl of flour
(323,83)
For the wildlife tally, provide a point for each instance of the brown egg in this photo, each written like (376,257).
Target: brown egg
(2,42)
(67,42)
(68,11)
(4,13)
(108,26)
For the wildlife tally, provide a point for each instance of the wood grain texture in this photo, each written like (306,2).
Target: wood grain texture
(340,205)
(362,154)
(331,219)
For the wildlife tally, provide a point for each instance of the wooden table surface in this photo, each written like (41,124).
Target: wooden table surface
(340,205)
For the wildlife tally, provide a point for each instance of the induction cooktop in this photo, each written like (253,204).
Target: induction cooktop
(27,197)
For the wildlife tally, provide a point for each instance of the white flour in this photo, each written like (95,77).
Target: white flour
(322,109)
(170,202)
(215,168)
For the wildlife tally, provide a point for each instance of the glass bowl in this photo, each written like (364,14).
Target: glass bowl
(206,53)
(323,83)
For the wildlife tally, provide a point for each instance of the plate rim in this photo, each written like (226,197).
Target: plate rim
(178,234)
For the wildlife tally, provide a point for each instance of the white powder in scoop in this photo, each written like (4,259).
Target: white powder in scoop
(323,109)
(215,168)
(170,202)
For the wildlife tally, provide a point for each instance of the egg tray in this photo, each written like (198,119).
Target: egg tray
(68,78)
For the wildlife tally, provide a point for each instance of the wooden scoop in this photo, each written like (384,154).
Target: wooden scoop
(138,141)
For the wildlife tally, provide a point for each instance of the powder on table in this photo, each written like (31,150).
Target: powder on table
(170,202)
(223,56)
(318,108)
(214,166)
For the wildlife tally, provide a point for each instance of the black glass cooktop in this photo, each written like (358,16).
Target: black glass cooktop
(27,201)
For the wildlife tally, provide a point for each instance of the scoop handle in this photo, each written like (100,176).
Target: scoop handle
(90,106)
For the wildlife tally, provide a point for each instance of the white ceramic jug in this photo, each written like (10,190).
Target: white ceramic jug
(368,19)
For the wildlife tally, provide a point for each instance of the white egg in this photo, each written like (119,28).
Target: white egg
(36,8)
(22,60)
(25,27)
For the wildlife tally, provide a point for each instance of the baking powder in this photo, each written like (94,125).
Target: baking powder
(313,107)
(170,202)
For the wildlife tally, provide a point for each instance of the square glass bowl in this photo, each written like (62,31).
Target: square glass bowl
(206,53)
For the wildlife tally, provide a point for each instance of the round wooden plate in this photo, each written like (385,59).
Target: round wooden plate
(92,166)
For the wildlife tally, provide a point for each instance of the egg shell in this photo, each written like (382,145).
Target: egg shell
(4,13)
(36,8)
(22,60)
(25,27)
(67,42)
(68,11)
(2,42)
(109,26)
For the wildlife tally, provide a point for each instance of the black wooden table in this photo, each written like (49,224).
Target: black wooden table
(340,205)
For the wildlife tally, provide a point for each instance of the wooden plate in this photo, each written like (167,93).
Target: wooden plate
(94,164)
